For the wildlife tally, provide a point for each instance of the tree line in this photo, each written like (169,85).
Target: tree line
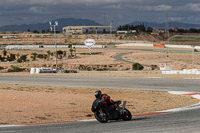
(43,31)
(138,28)
(5,56)
(142,28)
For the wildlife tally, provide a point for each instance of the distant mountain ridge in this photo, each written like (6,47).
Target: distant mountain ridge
(86,22)
(45,26)
(170,25)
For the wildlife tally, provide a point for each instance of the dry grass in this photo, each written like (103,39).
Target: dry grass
(21,104)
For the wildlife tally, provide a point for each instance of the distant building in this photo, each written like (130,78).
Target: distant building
(8,37)
(175,29)
(126,31)
(157,31)
(89,29)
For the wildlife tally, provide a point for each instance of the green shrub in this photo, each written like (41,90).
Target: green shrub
(34,55)
(1,58)
(153,67)
(4,52)
(1,68)
(49,53)
(60,54)
(19,60)
(15,69)
(45,56)
(23,58)
(195,50)
(137,66)
(99,69)
(89,68)
(41,56)
(82,67)
(11,57)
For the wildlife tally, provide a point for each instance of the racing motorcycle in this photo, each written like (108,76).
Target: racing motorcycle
(103,113)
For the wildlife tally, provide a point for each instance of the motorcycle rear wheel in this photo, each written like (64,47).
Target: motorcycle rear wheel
(101,116)
(127,115)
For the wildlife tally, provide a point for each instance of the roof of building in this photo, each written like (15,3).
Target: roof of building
(88,26)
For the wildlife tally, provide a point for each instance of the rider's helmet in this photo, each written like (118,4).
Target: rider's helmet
(97,94)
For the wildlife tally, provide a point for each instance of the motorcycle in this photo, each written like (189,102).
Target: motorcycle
(103,112)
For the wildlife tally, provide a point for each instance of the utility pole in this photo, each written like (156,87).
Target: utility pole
(53,28)
(110,31)
(193,56)
(167,27)
(96,33)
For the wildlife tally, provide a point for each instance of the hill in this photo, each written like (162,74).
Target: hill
(45,26)
(171,25)
(86,22)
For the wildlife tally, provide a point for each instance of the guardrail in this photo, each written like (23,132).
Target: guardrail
(42,70)
(184,71)
(50,46)
(158,45)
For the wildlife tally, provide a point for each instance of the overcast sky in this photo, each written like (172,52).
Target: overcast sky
(120,11)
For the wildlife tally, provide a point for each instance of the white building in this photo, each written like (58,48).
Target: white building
(89,29)
(126,31)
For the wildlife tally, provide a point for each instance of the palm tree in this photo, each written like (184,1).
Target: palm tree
(65,53)
(4,52)
(23,58)
(48,54)
(60,52)
(45,57)
(34,56)
(74,51)
(17,55)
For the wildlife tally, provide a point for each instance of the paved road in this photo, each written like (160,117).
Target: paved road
(119,57)
(180,122)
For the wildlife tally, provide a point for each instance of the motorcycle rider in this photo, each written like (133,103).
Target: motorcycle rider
(106,109)
(107,101)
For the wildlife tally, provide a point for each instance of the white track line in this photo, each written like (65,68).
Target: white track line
(193,94)
(10,125)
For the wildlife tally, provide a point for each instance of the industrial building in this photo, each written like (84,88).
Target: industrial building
(89,29)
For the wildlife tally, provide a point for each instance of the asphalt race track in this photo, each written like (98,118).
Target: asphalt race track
(179,122)
(161,84)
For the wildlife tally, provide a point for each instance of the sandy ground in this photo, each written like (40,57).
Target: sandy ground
(22,104)
(179,61)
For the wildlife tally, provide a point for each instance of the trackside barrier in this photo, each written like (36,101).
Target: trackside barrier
(33,70)
(180,46)
(152,45)
(97,46)
(184,71)
(42,70)
(159,45)
(50,46)
(136,44)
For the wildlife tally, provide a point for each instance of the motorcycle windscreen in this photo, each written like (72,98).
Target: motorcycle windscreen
(95,104)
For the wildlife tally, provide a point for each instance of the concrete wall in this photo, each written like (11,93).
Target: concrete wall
(151,45)
(180,46)
(136,44)
(184,71)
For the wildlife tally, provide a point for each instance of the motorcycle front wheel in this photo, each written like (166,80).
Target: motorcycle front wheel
(101,116)
(127,115)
